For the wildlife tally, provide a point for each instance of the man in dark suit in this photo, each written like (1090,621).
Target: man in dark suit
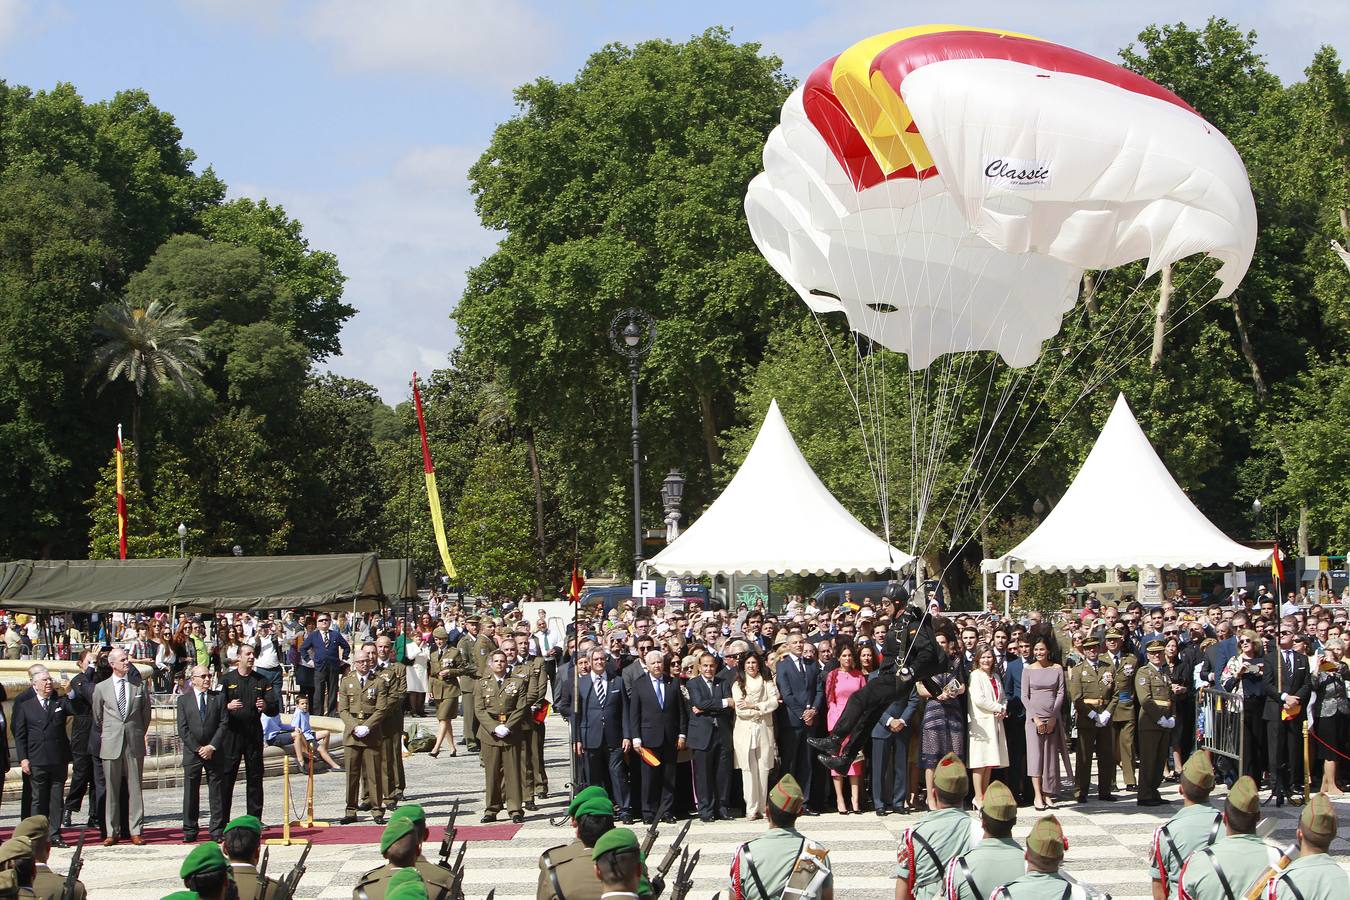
(600,724)
(83,761)
(710,721)
(802,688)
(890,749)
(657,719)
(43,747)
(201,730)
(1015,776)
(327,648)
(1288,684)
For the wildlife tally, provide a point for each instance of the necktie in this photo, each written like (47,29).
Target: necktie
(660,693)
(600,692)
(1288,660)
(122,697)
(201,704)
(363,681)
(43,701)
(325,640)
(801,670)
(994,682)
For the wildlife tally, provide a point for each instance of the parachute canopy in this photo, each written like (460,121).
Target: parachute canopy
(946,187)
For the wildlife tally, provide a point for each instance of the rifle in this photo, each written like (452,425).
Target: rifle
(457,873)
(650,837)
(292,880)
(448,839)
(673,851)
(262,874)
(684,875)
(1093,892)
(76,864)
(1258,887)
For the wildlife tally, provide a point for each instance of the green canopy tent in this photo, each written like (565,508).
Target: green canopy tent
(91,585)
(396,575)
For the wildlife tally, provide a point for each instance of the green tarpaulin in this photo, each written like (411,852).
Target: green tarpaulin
(396,576)
(202,582)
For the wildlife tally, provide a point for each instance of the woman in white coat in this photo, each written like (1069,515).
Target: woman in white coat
(988,748)
(752,743)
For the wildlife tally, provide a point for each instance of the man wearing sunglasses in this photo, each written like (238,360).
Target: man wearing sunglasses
(1288,684)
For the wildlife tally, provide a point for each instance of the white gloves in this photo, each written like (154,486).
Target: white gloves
(637,743)
(360,731)
(1167,721)
(501,731)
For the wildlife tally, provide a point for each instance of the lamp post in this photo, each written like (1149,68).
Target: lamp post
(182,539)
(237,550)
(672,492)
(631,333)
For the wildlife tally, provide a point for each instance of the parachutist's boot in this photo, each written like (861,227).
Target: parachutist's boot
(828,744)
(837,764)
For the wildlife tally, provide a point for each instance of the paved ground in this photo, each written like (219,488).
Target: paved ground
(1107,842)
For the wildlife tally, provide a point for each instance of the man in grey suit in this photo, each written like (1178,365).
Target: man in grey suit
(122,716)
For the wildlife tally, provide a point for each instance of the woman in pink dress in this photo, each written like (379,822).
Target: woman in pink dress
(840,684)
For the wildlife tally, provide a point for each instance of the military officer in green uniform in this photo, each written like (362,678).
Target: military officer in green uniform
(995,860)
(1153,688)
(205,872)
(1124,664)
(566,871)
(241,841)
(502,707)
(944,833)
(391,730)
(468,653)
(444,671)
(533,751)
(16,868)
(1225,869)
(363,699)
(783,861)
(521,665)
(401,845)
(1091,684)
(47,885)
(1314,875)
(1195,825)
(1043,879)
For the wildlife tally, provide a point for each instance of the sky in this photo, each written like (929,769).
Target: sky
(362,118)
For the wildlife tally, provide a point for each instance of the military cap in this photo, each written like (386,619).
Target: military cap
(594,806)
(951,776)
(1318,819)
(1091,643)
(203,858)
(397,828)
(440,633)
(15,848)
(471,620)
(585,794)
(1199,771)
(412,811)
(613,840)
(34,828)
(999,804)
(406,884)
(181,895)
(1114,635)
(1047,839)
(248,823)
(1243,797)
(1155,647)
(787,795)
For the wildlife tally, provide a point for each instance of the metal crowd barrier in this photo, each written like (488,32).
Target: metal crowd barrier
(1218,725)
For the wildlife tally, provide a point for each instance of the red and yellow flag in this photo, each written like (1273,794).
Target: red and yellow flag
(574,589)
(433,495)
(121,502)
(1277,565)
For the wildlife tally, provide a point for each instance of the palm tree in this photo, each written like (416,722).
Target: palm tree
(148,346)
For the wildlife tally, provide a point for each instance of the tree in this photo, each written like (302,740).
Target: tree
(152,517)
(490,535)
(148,346)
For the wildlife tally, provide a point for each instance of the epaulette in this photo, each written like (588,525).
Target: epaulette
(371,875)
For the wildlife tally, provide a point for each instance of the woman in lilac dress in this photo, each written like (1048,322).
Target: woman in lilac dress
(1043,697)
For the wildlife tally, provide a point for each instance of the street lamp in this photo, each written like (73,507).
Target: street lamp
(631,333)
(182,538)
(238,551)
(1256,507)
(672,492)
(1038,508)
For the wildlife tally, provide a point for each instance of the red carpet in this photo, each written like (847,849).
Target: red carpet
(365,833)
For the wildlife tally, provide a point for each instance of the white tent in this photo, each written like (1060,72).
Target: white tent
(1124,511)
(776,518)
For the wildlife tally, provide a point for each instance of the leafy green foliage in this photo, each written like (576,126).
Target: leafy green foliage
(490,536)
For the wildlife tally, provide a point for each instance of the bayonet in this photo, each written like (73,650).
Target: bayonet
(448,839)
(298,872)
(649,838)
(76,864)
(673,851)
(262,874)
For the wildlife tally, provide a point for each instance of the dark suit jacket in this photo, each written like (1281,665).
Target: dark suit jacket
(709,716)
(800,690)
(1012,687)
(1279,679)
(196,732)
(40,737)
(325,658)
(658,727)
(900,709)
(83,723)
(597,726)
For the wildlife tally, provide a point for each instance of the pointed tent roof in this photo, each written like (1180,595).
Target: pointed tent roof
(776,518)
(1124,510)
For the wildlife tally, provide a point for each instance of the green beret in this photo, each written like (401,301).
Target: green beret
(397,828)
(33,828)
(203,858)
(1243,796)
(1047,839)
(1114,635)
(406,884)
(441,634)
(951,776)
(1318,818)
(583,795)
(999,804)
(412,811)
(181,895)
(594,806)
(248,823)
(1155,647)
(1199,771)
(787,795)
(15,848)
(613,840)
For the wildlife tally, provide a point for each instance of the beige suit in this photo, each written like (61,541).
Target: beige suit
(122,747)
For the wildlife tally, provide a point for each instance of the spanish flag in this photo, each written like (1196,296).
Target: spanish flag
(433,495)
(121,502)
(1277,564)
(574,589)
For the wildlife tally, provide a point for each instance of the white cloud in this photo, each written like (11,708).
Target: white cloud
(404,237)
(12,16)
